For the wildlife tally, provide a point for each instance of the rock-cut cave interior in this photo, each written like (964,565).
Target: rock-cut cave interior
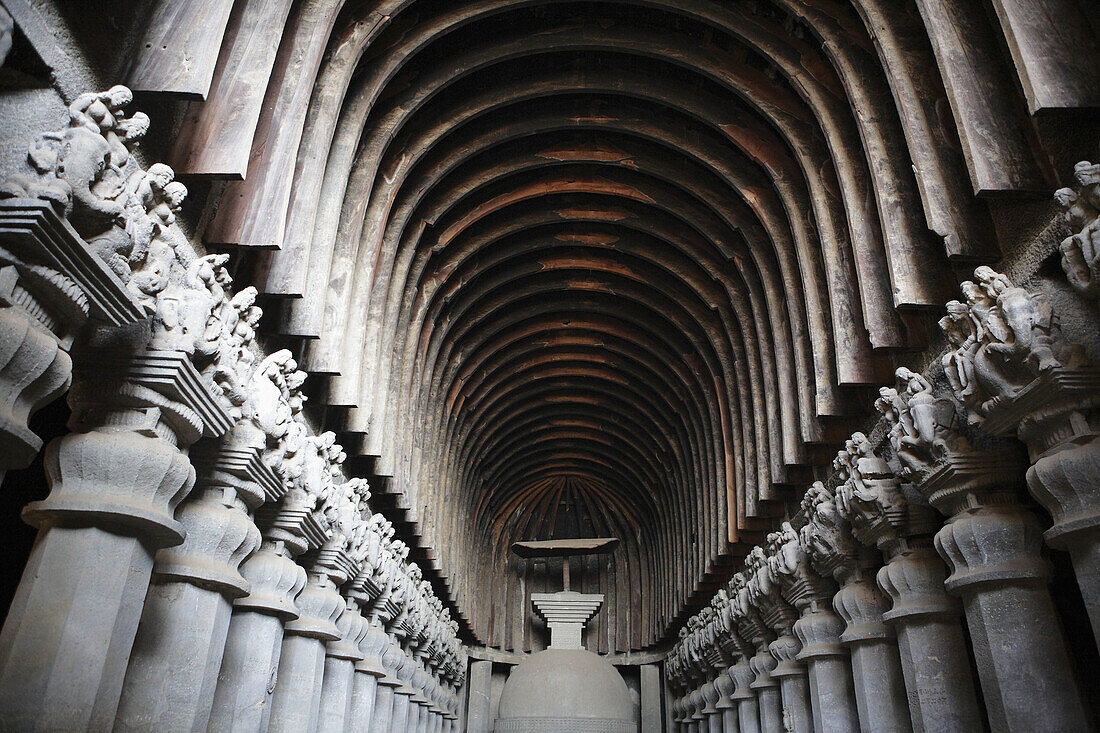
(550,366)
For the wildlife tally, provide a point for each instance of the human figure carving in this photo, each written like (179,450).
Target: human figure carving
(1081,250)
(923,425)
(1012,342)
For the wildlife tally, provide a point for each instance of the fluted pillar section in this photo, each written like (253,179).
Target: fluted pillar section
(250,664)
(174,666)
(832,697)
(876,666)
(748,712)
(710,710)
(993,549)
(341,656)
(793,684)
(368,673)
(938,677)
(114,485)
(295,703)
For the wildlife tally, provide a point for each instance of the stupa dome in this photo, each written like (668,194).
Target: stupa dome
(566,690)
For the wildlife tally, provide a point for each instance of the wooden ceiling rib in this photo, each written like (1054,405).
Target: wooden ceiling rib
(618,268)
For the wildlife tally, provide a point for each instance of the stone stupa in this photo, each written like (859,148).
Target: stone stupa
(565,688)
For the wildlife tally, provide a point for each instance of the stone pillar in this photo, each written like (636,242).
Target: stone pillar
(793,685)
(698,705)
(421,683)
(1066,481)
(402,697)
(713,722)
(396,658)
(748,713)
(650,694)
(382,715)
(368,674)
(250,664)
(676,711)
(781,679)
(1058,417)
(50,285)
(114,485)
(767,689)
(818,629)
(295,703)
(993,547)
(876,666)
(1018,376)
(341,657)
(477,711)
(832,697)
(174,666)
(364,689)
(934,661)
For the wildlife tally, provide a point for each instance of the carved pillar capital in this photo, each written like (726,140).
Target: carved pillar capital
(819,633)
(862,606)
(993,543)
(914,580)
(319,604)
(964,480)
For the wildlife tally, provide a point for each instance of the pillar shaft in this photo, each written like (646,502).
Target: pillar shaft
(253,649)
(382,715)
(650,694)
(295,704)
(832,697)
(876,667)
(932,649)
(335,699)
(480,681)
(341,656)
(994,550)
(793,686)
(767,690)
(748,712)
(178,651)
(364,691)
(114,484)
(401,704)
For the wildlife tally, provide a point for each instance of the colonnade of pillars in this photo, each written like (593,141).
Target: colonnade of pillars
(920,552)
(201,561)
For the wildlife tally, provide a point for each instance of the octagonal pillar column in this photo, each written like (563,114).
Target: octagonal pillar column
(253,649)
(934,661)
(296,701)
(114,484)
(178,652)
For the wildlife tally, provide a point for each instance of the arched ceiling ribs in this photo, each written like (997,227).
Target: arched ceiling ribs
(634,260)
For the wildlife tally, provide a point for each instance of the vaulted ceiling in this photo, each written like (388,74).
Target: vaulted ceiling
(619,268)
